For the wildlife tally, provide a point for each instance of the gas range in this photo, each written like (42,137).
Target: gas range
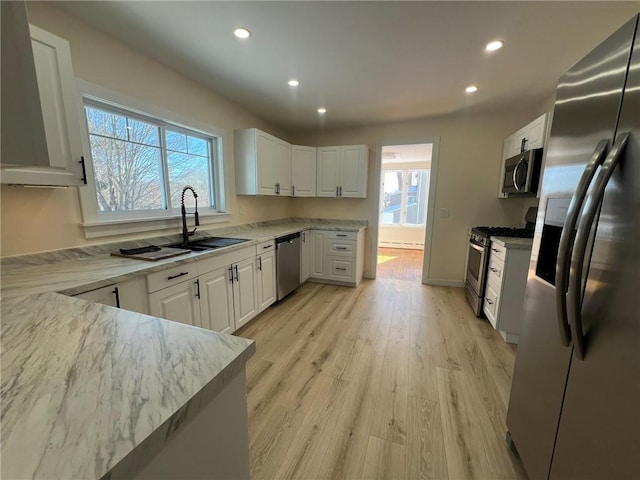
(480,235)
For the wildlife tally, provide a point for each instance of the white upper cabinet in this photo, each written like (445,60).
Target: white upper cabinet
(342,171)
(529,137)
(52,154)
(303,171)
(263,163)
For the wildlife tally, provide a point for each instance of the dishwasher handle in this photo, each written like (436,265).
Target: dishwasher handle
(287,239)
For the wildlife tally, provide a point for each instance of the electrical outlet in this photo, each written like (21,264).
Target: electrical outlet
(443,213)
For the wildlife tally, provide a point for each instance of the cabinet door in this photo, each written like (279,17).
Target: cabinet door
(104,295)
(58,101)
(216,301)
(132,295)
(282,165)
(245,295)
(353,171)
(178,303)
(328,171)
(305,256)
(535,132)
(266,154)
(303,171)
(318,254)
(266,265)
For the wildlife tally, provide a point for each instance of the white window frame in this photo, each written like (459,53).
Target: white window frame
(405,169)
(100,224)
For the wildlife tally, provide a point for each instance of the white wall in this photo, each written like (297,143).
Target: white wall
(44,219)
(467,180)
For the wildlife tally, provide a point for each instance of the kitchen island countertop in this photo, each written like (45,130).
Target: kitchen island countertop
(84,385)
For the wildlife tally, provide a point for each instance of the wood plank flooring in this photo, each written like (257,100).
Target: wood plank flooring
(392,379)
(399,264)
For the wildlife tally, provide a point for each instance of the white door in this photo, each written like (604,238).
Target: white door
(266,153)
(305,256)
(328,170)
(282,165)
(245,295)
(178,303)
(353,168)
(317,254)
(216,301)
(303,171)
(266,265)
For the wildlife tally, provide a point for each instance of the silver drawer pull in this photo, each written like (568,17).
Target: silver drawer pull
(494,270)
(267,246)
(495,250)
(489,301)
(341,234)
(341,248)
(339,268)
(178,275)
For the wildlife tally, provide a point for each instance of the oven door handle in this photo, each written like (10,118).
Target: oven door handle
(567,238)
(515,173)
(476,247)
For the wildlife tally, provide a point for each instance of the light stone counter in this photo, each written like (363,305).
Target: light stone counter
(516,243)
(85,385)
(75,271)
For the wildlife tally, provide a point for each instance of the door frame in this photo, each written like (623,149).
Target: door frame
(431,200)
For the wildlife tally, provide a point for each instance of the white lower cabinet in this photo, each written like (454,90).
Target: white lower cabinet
(305,256)
(129,295)
(266,274)
(245,294)
(216,300)
(178,303)
(337,257)
(506,285)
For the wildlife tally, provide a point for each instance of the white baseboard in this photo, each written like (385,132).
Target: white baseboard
(445,283)
(402,245)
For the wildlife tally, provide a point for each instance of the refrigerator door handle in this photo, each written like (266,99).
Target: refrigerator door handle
(592,204)
(567,238)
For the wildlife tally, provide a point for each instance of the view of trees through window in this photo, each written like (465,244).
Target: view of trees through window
(142,165)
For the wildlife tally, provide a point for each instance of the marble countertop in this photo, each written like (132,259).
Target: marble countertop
(84,384)
(76,271)
(511,242)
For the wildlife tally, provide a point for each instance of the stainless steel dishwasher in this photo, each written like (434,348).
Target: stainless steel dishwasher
(287,264)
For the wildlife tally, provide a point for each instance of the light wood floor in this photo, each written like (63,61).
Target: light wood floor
(399,264)
(392,379)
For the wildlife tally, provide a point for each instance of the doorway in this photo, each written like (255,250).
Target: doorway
(402,214)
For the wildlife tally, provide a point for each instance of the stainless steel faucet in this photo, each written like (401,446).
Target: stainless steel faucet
(185,232)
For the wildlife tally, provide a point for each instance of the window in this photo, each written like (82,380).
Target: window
(142,164)
(405,197)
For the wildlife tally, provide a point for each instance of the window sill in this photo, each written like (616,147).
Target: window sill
(125,226)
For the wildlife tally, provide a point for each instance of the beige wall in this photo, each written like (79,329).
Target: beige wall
(467,180)
(43,219)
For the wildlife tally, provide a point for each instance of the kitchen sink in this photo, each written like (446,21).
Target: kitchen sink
(210,243)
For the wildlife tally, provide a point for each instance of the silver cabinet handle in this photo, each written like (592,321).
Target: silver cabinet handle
(495,250)
(293,190)
(260,263)
(197,282)
(340,268)
(231,274)
(337,191)
(341,248)
(567,238)
(488,301)
(235,267)
(494,270)
(340,190)
(591,207)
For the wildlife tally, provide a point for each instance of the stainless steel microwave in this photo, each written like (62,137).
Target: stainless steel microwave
(522,173)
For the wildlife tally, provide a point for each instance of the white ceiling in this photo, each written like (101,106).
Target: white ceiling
(366,62)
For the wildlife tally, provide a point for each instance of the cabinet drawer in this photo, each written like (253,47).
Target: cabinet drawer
(264,247)
(171,276)
(490,304)
(341,269)
(498,251)
(337,235)
(341,247)
(496,271)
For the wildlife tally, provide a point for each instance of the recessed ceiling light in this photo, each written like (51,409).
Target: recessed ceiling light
(471,89)
(242,32)
(493,46)
(294,83)
(322,110)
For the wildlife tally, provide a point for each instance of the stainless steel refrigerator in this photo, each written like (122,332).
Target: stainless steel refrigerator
(574,411)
